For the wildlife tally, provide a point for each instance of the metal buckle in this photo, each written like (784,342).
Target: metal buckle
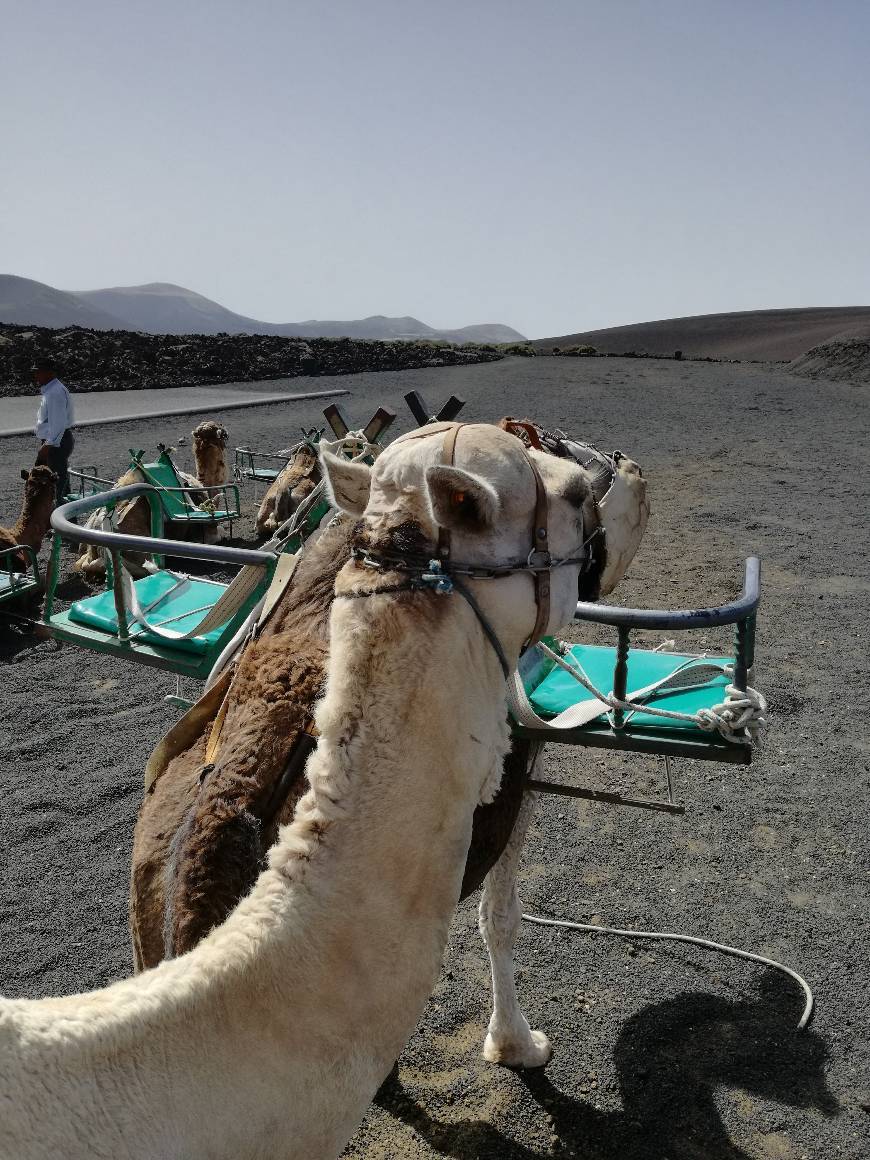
(437,579)
(539,560)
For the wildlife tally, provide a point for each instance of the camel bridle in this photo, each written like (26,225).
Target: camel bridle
(441,574)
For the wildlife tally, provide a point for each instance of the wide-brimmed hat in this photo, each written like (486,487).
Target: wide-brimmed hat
(45,364)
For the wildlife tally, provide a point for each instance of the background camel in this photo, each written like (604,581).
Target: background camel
(133,519)
(34,521)
(292,484)
(200,841)
(270,1038)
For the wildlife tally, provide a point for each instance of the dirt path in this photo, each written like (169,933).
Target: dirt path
(662,1052)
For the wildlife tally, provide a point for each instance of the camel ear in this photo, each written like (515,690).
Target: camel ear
(460,500)
(347,483)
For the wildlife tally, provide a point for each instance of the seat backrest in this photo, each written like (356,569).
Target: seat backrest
(162,474)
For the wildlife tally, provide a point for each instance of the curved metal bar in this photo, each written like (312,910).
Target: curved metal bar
(739,609)
(61,522)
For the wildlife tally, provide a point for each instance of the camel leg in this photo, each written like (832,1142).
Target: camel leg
(509,1040)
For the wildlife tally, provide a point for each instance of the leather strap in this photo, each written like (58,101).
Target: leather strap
(540,554)
(448,457)
(540,550)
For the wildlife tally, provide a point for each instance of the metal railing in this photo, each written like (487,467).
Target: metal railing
(87,481)
(245,466)
(740,612)
(19,581)
(155,545)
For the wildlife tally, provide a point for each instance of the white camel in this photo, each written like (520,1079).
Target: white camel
(269,1039)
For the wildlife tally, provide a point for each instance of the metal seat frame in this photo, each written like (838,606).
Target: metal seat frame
(19,583)
(126,644)
(614,732)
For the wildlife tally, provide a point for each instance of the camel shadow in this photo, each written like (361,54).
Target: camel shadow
(670,1059)
(21,634)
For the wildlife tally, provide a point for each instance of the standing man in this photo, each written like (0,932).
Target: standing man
(54,422)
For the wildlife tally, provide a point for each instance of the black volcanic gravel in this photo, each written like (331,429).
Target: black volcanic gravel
(110,360)
(661,1051)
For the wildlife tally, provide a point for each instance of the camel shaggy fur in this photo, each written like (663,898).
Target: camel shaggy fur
(209,455)
(35,519)
(269,1039)
(292,484)
(200,841)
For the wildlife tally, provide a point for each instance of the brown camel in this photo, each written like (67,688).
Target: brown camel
(209,454)
(292,484)
(208,819)
(32,525)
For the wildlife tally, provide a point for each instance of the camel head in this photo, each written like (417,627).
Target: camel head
(294,482)
(485,502)
(40,485)
(39,494)
(620,491)
(209,453)
(624,513)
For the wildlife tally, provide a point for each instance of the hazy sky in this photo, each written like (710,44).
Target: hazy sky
(556,165)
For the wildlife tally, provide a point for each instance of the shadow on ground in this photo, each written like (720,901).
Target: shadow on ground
(670,1058)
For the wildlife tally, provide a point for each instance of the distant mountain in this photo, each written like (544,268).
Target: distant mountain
(35,304)
(161,308)
(775,335)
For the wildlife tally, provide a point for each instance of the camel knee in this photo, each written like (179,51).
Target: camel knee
(500,913)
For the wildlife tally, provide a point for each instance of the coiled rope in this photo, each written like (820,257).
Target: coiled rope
(695,941)
(743,710)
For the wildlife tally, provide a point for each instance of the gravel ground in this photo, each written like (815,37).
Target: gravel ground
(660,1051)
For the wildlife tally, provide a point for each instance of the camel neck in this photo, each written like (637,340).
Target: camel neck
(411,726)
(288,1017)
(33,523)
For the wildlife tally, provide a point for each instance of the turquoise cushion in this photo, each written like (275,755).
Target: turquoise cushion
(193,514)
(183,606)
(261,474)
(559,690)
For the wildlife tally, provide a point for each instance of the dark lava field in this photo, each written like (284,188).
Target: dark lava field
(662,1051)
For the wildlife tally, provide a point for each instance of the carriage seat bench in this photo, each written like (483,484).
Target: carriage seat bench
(168,600)
(549,704)
(178,502)
(249,465)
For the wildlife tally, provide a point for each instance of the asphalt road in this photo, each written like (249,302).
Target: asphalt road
(18,412)
(660,1051)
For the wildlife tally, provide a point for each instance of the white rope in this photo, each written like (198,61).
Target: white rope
(741,713)
(356,446)
(695,941)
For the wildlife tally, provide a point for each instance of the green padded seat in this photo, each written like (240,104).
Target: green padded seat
(167,600)
(176,505)
(261,474)
(558,691)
